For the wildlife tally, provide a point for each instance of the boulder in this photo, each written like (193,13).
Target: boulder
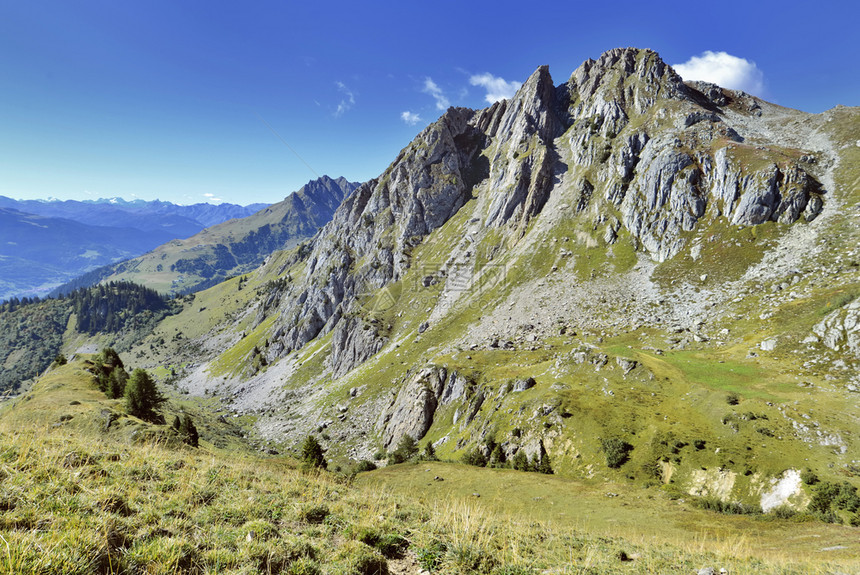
(523,384)
(627,365)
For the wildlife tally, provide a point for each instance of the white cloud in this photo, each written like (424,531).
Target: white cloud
(410,118)
(348,100)
(724,70)
(497,88)
(208,195)
(430,87)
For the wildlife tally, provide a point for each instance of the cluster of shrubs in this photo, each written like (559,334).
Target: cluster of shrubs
(110,373)
(829,503)
(187,430)
(408,449)
(138,390)
(829,498)
(539,462)
(726,507)
(617,451)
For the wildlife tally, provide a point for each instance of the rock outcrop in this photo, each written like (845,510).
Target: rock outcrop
(840,330)
(412,410)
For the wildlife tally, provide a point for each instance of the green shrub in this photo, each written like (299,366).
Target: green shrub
(784,512)
(430,557)
(365,465)
(829,497)
(616,451)
(429,453)
(828,516)
(474,457)
(405,450)
(809,477)
(726,507)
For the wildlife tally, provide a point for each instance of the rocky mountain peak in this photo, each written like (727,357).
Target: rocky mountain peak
(625,144)
(530,111)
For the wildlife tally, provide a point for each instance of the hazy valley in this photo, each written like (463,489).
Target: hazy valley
(44,244)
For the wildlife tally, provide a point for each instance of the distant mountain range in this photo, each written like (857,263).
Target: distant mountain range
(229,248)
(46,243)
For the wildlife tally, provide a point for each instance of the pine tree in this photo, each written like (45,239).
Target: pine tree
(312,453)
(429,452)
(521,461)
(497,456)
(116,383)
(544,465)
(141,394)
(189,431)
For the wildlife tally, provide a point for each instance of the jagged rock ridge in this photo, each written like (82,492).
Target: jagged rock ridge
(625,138)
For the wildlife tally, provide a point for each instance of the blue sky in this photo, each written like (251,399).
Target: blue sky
(179,100)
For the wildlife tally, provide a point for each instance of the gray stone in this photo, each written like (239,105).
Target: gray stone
(523,384)
(627,365)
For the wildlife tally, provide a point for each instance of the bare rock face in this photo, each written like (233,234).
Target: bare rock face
(413,409)
(771,192)
(664,198)
(353,342)
(411,412)
(522,169)
(376,225)
(712,92)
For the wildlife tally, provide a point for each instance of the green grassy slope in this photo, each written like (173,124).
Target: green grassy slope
(77,500)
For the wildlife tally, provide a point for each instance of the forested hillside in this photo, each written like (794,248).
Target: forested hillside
(32,330)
